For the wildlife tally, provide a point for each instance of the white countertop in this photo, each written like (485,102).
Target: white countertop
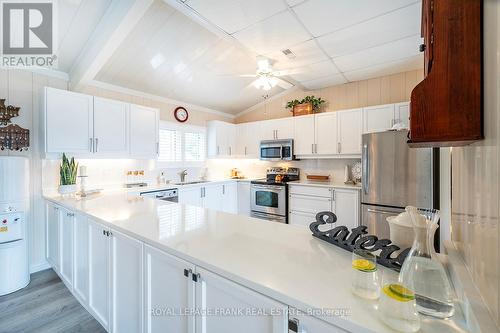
(160,187)
(282,261)
(306,182)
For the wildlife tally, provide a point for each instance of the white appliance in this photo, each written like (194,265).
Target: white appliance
(165,195)
(14,204)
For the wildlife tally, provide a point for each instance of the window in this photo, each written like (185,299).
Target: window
(181,144)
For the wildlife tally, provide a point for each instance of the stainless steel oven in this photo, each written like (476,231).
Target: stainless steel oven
(276,150)
(268,199)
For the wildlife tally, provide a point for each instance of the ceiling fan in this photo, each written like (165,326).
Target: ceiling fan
(266,77)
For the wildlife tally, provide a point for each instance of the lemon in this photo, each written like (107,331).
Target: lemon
(398,292)
(363,265)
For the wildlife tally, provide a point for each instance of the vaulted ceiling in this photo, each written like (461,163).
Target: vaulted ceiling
(201,51)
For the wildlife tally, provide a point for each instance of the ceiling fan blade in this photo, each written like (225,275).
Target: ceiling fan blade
(283,84)
(287,72)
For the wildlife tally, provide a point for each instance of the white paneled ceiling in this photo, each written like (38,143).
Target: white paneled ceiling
(170,55)
(77,19)
(197,50)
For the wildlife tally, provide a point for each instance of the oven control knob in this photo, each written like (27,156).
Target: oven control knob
(4,222)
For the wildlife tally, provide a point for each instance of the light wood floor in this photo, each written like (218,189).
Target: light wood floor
(44,306)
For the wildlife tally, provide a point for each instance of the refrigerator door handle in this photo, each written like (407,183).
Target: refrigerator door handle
(376,211)
(365,169)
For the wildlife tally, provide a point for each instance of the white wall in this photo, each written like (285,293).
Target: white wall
(22,88)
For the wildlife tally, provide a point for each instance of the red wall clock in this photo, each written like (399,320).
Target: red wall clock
(181,114)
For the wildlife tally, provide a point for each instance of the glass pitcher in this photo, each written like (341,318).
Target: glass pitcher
(422,270)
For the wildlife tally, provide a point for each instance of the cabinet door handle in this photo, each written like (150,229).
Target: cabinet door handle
(196,277)
(187,272)
(91,148)
(96,143)
(312,148)
(293,325)
(157,148)
(223,189)
(70,214)
(104,232)
(229,151)
(218,150)
(339,147)
(245,150)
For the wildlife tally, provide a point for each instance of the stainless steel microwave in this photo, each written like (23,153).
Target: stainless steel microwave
(276,150)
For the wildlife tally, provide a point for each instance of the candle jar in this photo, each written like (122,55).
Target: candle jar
(364,277)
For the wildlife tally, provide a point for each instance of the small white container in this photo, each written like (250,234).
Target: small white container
(67,189)
(401,230)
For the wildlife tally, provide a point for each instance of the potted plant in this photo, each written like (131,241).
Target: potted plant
(308,105)
(67,173)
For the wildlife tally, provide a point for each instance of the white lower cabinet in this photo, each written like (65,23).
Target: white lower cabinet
(81,258)
(53,214)
(304,202)
(132,287)
(126,283)
(307,324)
(230,197)
(212,197)
(220,197)
(347,207)
(99,278)
(244,198)
(168,289)
(66,246)
(258,313)
(191,196)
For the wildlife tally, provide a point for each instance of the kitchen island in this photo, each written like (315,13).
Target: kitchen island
(137,263)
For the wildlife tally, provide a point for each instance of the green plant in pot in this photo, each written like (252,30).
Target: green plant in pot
(67,173)
(314,101)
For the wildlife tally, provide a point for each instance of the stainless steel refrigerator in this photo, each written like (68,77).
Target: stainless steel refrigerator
(393,177)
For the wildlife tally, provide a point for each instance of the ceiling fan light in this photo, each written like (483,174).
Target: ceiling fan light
(273,81)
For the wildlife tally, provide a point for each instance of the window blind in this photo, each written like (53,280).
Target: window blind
(170,146)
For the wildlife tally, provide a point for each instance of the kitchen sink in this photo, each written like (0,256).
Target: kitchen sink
(192,182)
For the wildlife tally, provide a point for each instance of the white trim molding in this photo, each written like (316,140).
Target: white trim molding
(272,98)
(137,93)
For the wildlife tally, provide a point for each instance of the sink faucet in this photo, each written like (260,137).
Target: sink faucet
(183,175)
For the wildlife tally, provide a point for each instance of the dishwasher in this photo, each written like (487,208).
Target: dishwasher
(171,195)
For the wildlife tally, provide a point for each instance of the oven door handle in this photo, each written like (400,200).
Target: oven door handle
(281,152)
(269,187)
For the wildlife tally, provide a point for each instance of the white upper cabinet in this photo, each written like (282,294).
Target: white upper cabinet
(248,137)
(284,128)
(326,133)
(349,131)
(277,129)
(382,117)
(88,126)
(303,128)
(378,118)
(68,122)
(111,126)
(143,132)
(221,139)
(402,113)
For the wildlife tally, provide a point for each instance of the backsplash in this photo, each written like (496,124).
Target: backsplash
(254,168)
(112,173)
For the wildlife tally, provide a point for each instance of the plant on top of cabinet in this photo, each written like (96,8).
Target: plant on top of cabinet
(67,173)
(308,105)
